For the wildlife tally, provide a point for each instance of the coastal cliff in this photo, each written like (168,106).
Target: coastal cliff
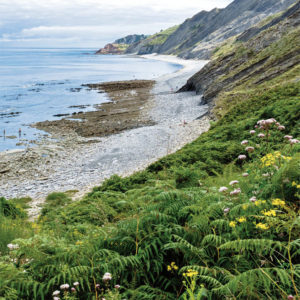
(259,58)
(198,36)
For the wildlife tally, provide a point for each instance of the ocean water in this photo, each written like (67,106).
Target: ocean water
(39,84)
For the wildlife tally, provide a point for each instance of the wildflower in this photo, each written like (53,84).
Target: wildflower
(106,277)
(280,127)
(291,297)
(288,137)
(245,206)
(294,141)
(269,213)
(278,202)
(262,226)
(259,202)
(55,293)
(266,175)
(235,192)
(64,286)
(223,189)
(253,199)
(169,268)
(261,135)
(242,219)
(190,273)
(56,298)
(233,182)
(242,157)
(226,210)
(76,283)
(73,290)
(252,132)
(117,286)
(97,286)
(232,224)
(13,246)
(249,149)
(245,174)
(244,142)
(270,121)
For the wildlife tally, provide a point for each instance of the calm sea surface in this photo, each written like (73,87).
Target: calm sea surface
(37,84)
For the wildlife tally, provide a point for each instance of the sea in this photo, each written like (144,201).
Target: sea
(45,84)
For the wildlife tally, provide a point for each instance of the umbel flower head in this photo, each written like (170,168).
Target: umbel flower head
(242,157)
(64,286)
(106,277)
(223,189)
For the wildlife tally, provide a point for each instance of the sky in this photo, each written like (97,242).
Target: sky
(90,23)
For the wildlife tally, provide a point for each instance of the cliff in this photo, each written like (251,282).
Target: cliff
(259,58)
(198,36)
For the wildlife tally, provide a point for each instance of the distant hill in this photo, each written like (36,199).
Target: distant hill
(120,45)
(198,36)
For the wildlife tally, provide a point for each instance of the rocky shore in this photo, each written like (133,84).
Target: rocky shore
(153,121)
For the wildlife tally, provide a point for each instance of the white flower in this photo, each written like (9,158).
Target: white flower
(242,157)
(245,174)
(294,141)
(281,127)
(288,137)
(106,276)
(55,293)
(223,189)
(235,192)
(64,286)
(233,182)
(56,298)
(76,283)
(226,210)
(253,199)
(249,149)
(244,142)
(261,135)
(252,132)
(13,246)
(117,286)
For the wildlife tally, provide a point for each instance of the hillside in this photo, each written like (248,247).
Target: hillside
(198,36)
(218,219)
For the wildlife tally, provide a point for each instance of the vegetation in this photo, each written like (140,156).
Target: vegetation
(212,221)
(160,37)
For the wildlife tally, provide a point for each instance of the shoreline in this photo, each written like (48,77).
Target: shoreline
(77,163)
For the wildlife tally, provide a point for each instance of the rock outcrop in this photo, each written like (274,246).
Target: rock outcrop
(119,46)
(110,49)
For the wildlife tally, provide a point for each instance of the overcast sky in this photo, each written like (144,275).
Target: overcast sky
(90,23)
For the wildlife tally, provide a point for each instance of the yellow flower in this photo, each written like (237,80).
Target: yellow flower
(294,183)
(242,219)
(245,206)
(169,268)
(298,186)
(269,213)
(79,243)
(259,202)
(262,226)
(278,202)
(190,273)
(175,268)
(232,224)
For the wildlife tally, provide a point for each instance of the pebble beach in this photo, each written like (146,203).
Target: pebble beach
(70,162)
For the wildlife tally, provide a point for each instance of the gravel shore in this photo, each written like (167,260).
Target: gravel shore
(72,162)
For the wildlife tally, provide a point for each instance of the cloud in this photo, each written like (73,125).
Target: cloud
(91,22)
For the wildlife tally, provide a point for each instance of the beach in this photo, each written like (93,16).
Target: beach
(161,123)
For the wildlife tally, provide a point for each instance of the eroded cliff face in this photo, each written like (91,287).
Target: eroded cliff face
(262,57)
(198,36)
